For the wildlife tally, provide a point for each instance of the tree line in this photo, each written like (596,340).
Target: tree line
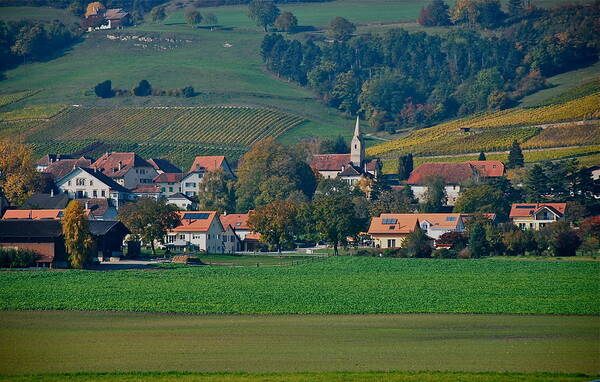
(401,79)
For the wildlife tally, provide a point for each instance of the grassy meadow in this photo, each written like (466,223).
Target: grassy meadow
(341,285)
(71,342)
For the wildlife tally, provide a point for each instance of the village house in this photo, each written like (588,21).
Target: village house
(84,183)
(181,201)
(127,169)
(208,163)
(98,17)
(534,216)
(454,174)
(45,161)
(169,183)
(391,230)
(62,167)
(197,231)
(247,240)
(349,167)
(147,191)
(164,166)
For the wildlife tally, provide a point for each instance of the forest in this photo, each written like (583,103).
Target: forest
(487,61)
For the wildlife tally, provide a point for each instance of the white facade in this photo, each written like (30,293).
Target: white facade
(190,183)
(209,241)
(452,193)
(80,184)
(136,176)
(180,202)
(169,188)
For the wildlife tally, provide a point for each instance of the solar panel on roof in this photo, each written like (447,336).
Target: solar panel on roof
(389,221)
(197,215)
(450,218)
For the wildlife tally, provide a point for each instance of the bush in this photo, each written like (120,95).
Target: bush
(188,91)
(465,253)
(17,258)
(445,253)
(143,89)
(104,89)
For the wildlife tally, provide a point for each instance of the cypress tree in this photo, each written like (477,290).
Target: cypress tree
(477,242)
(481,156)
(515,156)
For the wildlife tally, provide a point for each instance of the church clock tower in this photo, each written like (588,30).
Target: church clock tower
(357,148)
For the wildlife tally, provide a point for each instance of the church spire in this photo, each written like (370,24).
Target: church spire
(357,148)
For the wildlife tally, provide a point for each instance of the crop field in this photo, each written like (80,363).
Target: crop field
(69,342)
(255,260)
(493,131)
(335,286)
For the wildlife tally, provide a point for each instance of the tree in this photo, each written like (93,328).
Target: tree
(477,241)
(515,7)
(393,202)
(536,184)
(216,192)
(435,14)
(193,17)
(149,219)
(562,240)
(18,176)
(339,146)
(104,89)
(31,42)
(76,231)
(334,219)
(143,89)
(269,172)
(332,186)
(519,242)
(341,29)
(435,197)
(263,12)
(515,156)
(210,19)
(486,13)
(457,240)
(481,156)
(277,223)
(482,199)
(286,22)
(158,13)
(405,166)
(417,244)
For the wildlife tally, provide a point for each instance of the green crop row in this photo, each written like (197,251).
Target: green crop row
(341,285)
(32,112)
(7,99)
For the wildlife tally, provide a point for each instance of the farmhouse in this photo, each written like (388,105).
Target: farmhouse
(535,216)
(127,169)
(48,159)
(391,230)
(349,167)
(108,236)
(454,175)
(43,237)
(197,230)
(83,183)
(211,163)
(247,239)
(98,17)
(60,168)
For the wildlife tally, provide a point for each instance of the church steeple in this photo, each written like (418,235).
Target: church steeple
(357,148)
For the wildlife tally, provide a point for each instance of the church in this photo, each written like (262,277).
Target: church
(349,167)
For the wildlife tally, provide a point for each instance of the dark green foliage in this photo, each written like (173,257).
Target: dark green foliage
(561,239)
(16,258)
(286,22)
(477,240)
(338,146)
(482,198)
(435,14)
(435,198)
(405,166)
(104,89)
(515,156)
(192,17)
(418,244)
(263,12)
(481,156)
(143,89)
(188,91)
(392,201)
(341,29)
(335,220)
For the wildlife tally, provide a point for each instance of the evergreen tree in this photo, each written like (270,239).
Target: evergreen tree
(78,240)
(536,184)
(417,244)
(481,156)
(405,166)
(477,241)
(143,89)
(104,89)
(435,197)
(515,156)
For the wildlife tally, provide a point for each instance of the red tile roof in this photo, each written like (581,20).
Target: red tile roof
(207,163)
(237,221)
(55,214)
(96,206)
(168,178)
(190,221)
(116,165)
(394,224)
(530,209)
(146,188)
(488,168)
(329,162)
(451,172)
(64,166)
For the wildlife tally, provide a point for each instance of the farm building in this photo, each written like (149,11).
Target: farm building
(49,201)
(128,169)
(98,17)
(109,236)
(43,237)
(535,216)
(391,230)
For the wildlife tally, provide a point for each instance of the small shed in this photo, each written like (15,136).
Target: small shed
(43,237)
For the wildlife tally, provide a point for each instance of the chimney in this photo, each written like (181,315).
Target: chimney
(87,205)
(120,165)
(52,192)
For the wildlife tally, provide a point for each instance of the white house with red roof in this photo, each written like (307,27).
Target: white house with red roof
(245,239)
(211,163)
(169,183)
(197,231)
(454,174)
(127,169)
(350,167)
(391,230)
(535,216)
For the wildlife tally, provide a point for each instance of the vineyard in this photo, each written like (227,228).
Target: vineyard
(7,99)
(32,112)
(496,131)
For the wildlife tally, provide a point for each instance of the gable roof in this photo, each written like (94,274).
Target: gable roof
(178,195)
(329,162)
(96,206)
(530,209)
(146,189)
(195,221)
(46,201)
(169,177)
(116,164)
(30,229)
(440,220)
(350,171)
(33,214)
(103,227)
(207,163)
(393,224)
(64,166)
(488,168)
(114,186)
(237,221)
(451,172)
(48,159)
(163,165)
(115,13)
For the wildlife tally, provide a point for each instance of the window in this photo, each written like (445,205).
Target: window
(522,225)
(181,237)
(95,193)
(391,243)
(103,193)
(170,189)
(91,182)
(69,183)
(171,239)
(80,182)
(162,189)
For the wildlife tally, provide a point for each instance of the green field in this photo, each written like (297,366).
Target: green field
(342,285)
(255,260)
(60,342)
